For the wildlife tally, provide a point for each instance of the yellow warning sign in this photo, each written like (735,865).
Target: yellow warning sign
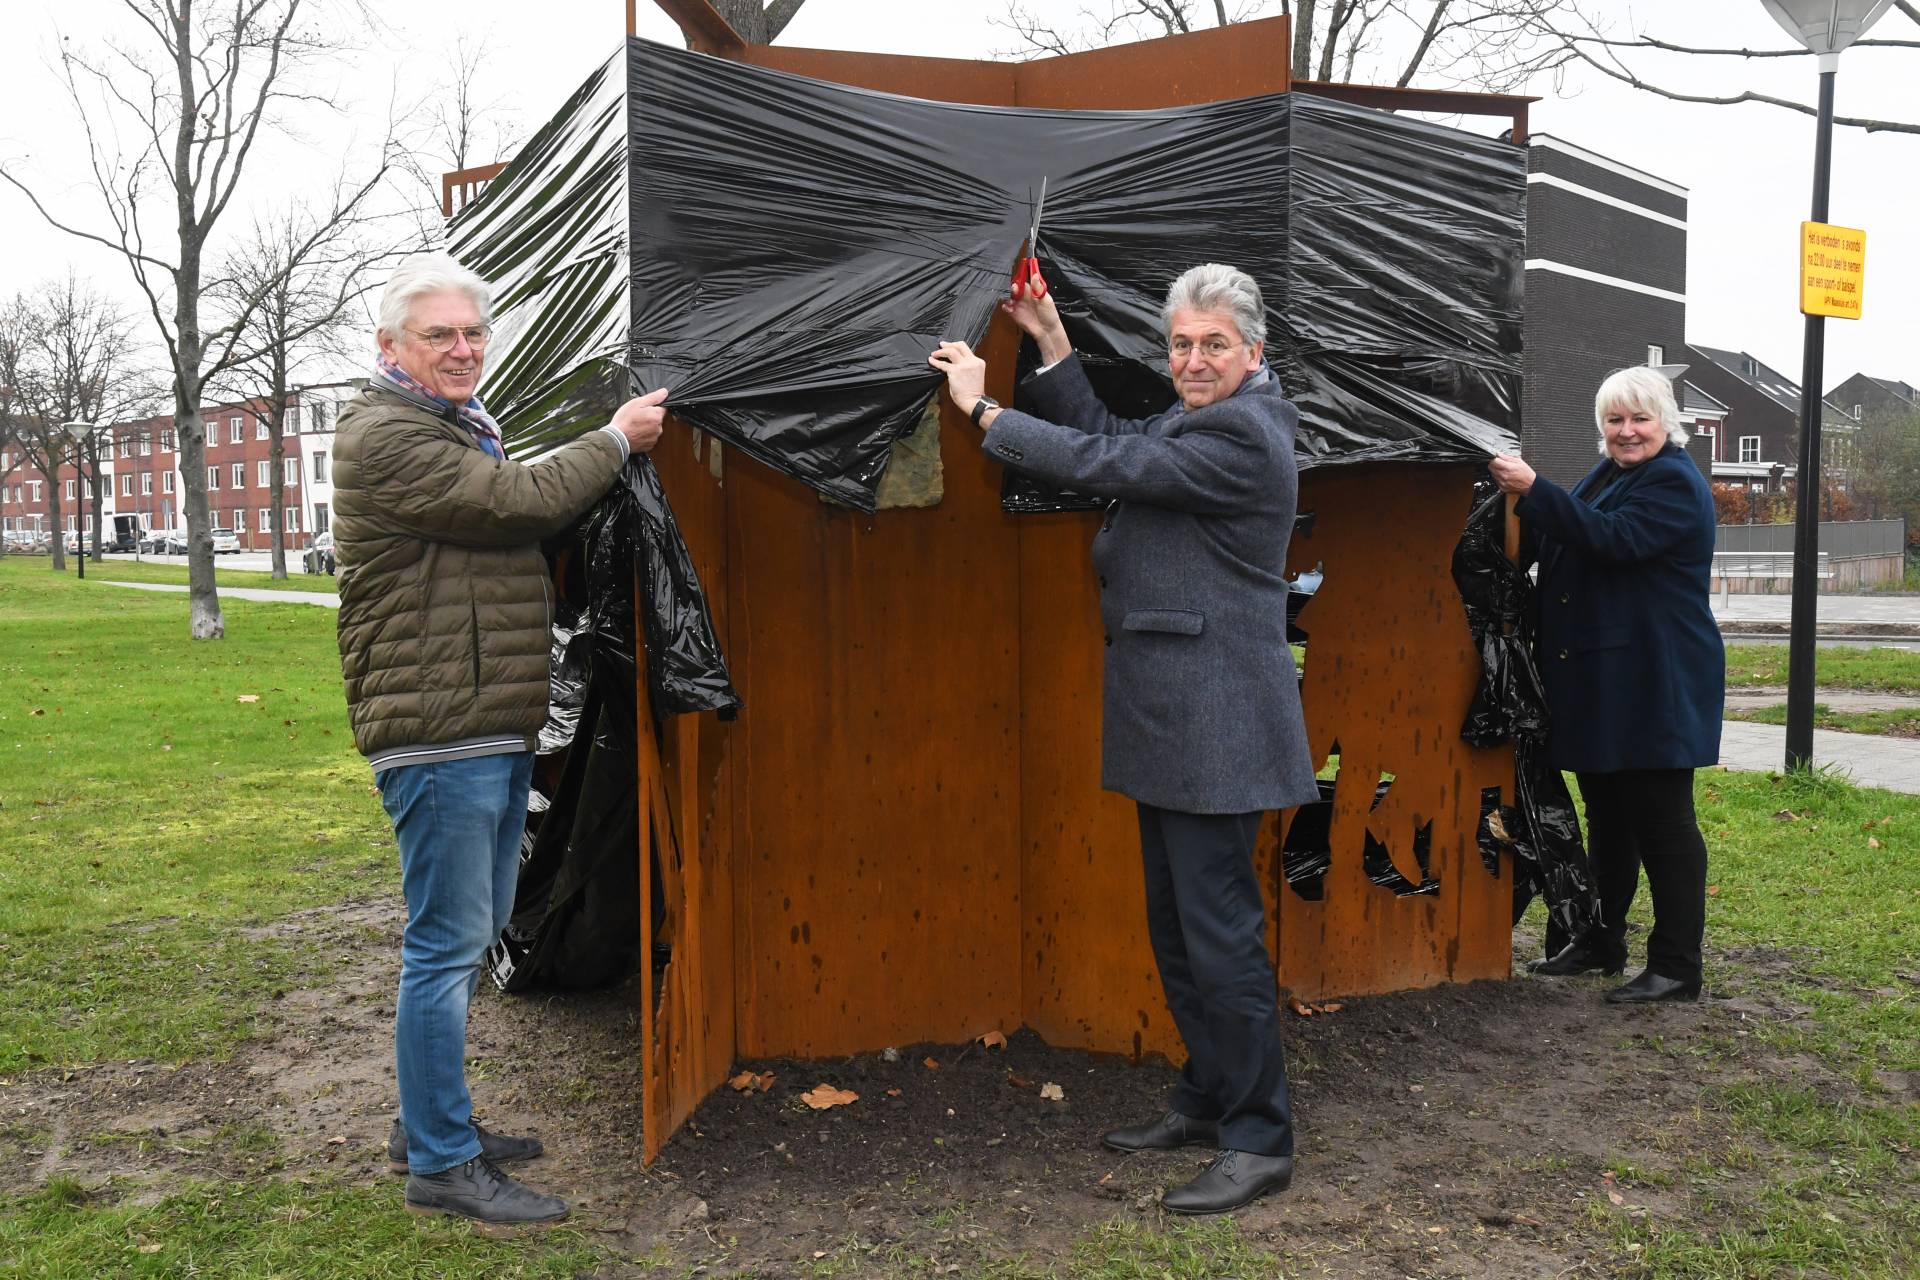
(1833,270)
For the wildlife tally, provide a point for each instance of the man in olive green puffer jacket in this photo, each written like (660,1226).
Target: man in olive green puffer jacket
(445,616)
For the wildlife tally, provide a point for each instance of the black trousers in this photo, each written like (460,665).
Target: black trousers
(1644,818)
(1208,925)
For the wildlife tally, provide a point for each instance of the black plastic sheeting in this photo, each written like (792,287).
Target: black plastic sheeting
(1306,852)
(575,921)
(1510,705)
(787,251)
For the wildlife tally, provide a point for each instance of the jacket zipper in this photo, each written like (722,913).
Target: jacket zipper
(473,608)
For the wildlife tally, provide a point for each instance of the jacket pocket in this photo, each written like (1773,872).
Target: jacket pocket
(1180,622)
(1599,638)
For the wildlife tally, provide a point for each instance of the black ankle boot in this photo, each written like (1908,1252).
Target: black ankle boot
(1578,957)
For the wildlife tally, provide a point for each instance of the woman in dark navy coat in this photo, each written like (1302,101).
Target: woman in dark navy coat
(1634,671)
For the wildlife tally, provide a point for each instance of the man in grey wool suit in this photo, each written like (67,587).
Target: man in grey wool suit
(1202,704)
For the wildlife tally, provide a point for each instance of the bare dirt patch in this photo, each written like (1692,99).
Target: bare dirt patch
(1463,1131)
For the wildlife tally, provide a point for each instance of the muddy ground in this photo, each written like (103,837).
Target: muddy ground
(1464,1131)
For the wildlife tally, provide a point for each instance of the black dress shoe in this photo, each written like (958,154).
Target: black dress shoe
(1579,958)
(1236,1178)
(1650,987)
(1170,1131)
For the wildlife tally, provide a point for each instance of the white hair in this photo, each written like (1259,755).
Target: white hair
(1638,387)
(1214,286)
(424,273)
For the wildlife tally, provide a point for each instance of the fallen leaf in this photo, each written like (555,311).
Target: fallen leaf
(743,1082)
(151,1246)
(1713,891)
(337,1140)
(1053,1092)
(1872,843)
(893,1093)
(1019,1081)
(39,711)
(1333,1007)
(1887,821)
(822,1096)
(1786,815)
(1105,1178)
(1416,1088)
(993,1040)
(1616,1197)
(1300,1006)
(930,1062)
(248,697)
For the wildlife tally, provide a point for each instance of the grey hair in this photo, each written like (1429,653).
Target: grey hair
(1641,387)
(1214,286)
(421,274)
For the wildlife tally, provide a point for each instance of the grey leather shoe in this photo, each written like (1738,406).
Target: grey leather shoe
(479,1191)
(497,1147)
(1168,1132)
(1235,1179)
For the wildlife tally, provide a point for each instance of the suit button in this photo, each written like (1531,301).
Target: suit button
(1563,599)
(1103,583)
(1563,655)
(1109,640)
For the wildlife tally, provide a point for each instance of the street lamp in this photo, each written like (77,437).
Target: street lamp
(1825,27)
(79,431)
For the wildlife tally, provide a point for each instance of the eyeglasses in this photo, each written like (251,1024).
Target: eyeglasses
(1211,349)
(442,339)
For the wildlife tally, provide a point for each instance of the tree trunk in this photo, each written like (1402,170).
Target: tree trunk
(59,546)
(277,482)
(1303,38)
(99,494)
(204,620)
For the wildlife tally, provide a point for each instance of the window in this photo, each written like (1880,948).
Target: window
(1858,410)
(213,477)
(35,486)
(1749,448)
(126,447)
(166,482)
(293,520)
(266,515)
(126,486)
(293,469)
(262,473)
(146,445)
(1656,354)
(320,524)
(146,484)
(233,430)
(70,491)
(87,491)
(239,519)
(319,473)
(239,475)
(260,429)
(166,440)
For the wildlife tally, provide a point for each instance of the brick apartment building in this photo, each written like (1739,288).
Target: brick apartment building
(140,472)
(1758,445)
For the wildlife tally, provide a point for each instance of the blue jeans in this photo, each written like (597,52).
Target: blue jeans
(459,825)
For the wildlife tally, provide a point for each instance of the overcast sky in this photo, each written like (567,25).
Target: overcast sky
(1748,168)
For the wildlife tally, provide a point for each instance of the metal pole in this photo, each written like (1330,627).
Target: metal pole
(1806,516)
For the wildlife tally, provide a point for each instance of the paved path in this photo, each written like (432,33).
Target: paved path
(1868,759)
(1755,697)
(1829,610)
(326,599)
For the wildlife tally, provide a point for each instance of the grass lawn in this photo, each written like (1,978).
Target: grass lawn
(1833,667)
(175,571)
(1897,724)
(155,826)
(157,796)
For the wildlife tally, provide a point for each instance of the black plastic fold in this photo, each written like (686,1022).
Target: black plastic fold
(1510,706)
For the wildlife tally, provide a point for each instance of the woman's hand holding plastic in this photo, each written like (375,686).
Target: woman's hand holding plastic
(1511,474)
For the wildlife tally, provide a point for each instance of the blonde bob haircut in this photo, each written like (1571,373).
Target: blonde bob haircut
(1640,388)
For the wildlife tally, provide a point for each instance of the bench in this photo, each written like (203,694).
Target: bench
(1777,565)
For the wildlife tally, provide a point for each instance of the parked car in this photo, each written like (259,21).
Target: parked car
(319,557)
(154,542)
(171,544)
(26,542)
(225,542)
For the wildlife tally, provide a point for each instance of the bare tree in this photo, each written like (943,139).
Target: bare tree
(757,22)
(1495,45)
(461,125)
(1624,59)
(194,88)
(67,355)
(299,278)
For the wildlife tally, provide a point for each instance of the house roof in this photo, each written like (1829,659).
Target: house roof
(1694,400)
(1771,383)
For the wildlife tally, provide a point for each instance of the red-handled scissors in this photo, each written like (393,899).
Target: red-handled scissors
(1026,268)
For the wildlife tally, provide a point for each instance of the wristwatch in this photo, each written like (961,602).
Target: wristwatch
(981,406)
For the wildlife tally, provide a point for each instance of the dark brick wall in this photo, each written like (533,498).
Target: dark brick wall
(1542,160)
(1570,229)
(1577,332)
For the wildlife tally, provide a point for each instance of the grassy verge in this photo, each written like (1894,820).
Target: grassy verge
(158,796)
(1833,668)
(175,573)
(1897,724)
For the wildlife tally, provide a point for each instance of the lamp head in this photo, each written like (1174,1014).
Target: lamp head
(1826,27)
(78,430)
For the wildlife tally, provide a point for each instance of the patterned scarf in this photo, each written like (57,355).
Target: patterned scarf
(472,415)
